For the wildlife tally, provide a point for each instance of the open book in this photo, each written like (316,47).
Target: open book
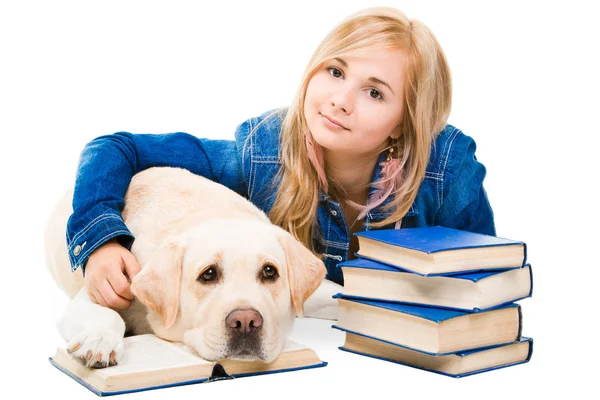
(151,363)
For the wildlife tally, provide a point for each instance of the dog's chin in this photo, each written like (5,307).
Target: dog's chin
(260,354)
(236,348)
(240,355)
(247,356)
(246,349)
(244,354)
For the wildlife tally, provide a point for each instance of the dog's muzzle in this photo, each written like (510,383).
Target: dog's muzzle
(245,331)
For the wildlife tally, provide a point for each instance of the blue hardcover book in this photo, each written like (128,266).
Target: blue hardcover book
(152,363)
(438,250)
(456,365)
(472,292)
(434,331)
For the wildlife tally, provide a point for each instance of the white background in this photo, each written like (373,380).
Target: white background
(526,87)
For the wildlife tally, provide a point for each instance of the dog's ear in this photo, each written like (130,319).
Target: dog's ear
(158,284)
(305,270)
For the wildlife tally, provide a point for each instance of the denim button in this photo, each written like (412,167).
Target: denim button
(333,212)
(77,250)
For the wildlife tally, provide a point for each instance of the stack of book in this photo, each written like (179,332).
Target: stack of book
(436,298)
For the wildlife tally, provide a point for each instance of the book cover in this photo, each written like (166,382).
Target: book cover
(218,373)
(430,330)
(457,365)
(439,251)
(152,363)
(416,286)
(423,352)
(435,239)
(434,314)
(367,263)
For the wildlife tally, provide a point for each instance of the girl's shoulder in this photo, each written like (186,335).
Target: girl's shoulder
(260,135)
(449,151)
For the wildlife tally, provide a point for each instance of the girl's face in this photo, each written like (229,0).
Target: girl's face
(354,104)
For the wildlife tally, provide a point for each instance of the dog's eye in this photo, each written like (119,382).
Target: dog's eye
(209,275)
(269,273)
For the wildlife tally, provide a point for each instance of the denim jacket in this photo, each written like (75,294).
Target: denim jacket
(451,194)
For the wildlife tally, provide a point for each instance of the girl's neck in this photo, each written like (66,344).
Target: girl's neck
(353,174)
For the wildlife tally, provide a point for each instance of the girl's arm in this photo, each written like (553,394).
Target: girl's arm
(107,165)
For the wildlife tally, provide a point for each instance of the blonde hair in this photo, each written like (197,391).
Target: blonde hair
(426,109)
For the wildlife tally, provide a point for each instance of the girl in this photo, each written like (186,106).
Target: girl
(364,145)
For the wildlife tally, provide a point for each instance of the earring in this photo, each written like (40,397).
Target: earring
(390,153)
(391,149)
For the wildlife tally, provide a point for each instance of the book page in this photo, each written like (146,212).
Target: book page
(148,352)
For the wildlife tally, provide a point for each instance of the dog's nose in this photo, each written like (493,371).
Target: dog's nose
(244,321)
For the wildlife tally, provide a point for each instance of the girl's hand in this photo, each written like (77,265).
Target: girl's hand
(108,275)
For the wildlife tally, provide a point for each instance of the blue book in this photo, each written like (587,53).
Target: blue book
(438,250)
(434,331)
(473,292)
(152,363)
(457,365)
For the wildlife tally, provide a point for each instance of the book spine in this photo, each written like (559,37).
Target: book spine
(530,281)
(530,350)
(218,373)
(520,322)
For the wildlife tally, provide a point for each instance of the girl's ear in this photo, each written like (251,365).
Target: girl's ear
(396,132)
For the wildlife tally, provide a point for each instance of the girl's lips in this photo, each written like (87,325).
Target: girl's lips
(332,124)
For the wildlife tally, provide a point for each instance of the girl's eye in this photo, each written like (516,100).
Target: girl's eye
(373,93)
(336,73)
(376,94)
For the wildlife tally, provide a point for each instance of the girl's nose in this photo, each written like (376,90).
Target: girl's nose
(342,99)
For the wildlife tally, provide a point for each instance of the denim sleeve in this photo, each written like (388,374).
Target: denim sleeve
(107,165)
(465,204)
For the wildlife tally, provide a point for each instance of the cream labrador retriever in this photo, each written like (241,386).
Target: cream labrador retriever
(216,274)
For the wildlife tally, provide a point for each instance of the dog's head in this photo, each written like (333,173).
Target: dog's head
(228,289)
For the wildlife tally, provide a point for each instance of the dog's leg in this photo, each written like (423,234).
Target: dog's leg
(321,304)
(95,333)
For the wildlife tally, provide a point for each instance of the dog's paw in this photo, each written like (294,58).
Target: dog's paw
(97,348)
